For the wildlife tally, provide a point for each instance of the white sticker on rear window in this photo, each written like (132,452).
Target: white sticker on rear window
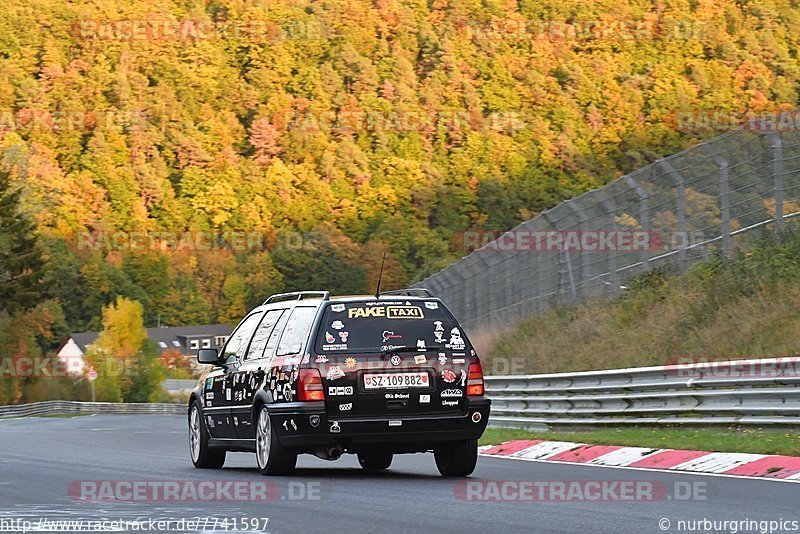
(456,341)
(387,335)
(335,372)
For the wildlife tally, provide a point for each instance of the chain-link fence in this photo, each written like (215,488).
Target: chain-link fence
(672,212)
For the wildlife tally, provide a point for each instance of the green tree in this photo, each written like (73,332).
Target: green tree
(323,259)
(399,122)
(26,338)
(21,261)
(126,362)
(146,373)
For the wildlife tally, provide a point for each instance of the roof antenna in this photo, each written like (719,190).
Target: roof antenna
(380,275)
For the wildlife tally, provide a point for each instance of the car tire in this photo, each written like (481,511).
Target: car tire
(457,459)
(272,458)
(203,456)
(375,461)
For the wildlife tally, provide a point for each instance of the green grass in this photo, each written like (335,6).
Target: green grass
(757,441)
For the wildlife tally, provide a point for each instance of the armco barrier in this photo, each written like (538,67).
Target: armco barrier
(746,392)
(743,392)
(73,407)
(177,386)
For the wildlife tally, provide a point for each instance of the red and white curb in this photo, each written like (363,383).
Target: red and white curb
(786,468)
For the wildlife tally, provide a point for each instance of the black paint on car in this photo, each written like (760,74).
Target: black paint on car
(305,373)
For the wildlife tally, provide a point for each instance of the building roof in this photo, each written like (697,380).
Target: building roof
(165,335)
(84,339)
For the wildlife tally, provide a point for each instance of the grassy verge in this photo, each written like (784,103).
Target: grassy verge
(757,441)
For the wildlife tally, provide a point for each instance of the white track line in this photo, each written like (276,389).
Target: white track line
(623,456)
(544,450)
(717,462)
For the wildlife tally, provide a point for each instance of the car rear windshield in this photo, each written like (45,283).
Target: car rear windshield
(375,326)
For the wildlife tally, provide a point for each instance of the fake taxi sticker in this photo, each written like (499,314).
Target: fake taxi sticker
(390,312)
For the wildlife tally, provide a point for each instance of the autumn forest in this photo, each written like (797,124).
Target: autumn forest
(198,156)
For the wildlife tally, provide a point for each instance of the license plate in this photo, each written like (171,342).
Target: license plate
(396,380)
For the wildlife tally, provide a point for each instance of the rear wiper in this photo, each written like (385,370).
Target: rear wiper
(408,348)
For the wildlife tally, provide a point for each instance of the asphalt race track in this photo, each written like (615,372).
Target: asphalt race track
(43,460)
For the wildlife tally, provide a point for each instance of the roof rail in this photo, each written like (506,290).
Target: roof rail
(409,292)
(298,295)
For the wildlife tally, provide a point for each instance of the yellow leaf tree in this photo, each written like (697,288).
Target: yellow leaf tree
(113,354)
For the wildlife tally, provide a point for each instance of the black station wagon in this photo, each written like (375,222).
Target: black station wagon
(373,376)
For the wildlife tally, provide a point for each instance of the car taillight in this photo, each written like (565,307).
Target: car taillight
(309,386)
(475,380)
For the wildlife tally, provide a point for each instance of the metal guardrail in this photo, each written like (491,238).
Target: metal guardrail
(745,392)
(74,407)
(178,386)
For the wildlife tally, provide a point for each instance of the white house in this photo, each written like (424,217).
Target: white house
(185,339)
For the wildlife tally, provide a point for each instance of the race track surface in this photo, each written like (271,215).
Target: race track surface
(43,462)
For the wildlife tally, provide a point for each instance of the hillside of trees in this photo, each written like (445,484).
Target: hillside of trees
(333,131)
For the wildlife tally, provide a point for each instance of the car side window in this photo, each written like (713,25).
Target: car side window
(262,334)
(296,330)
(237,344)
(269,350)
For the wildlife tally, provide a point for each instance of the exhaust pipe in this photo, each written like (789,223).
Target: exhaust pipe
(335,452)
(330,452)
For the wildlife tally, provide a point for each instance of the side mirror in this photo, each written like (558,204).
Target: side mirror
(208,356)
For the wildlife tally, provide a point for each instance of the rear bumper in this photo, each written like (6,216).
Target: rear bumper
(294,423)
